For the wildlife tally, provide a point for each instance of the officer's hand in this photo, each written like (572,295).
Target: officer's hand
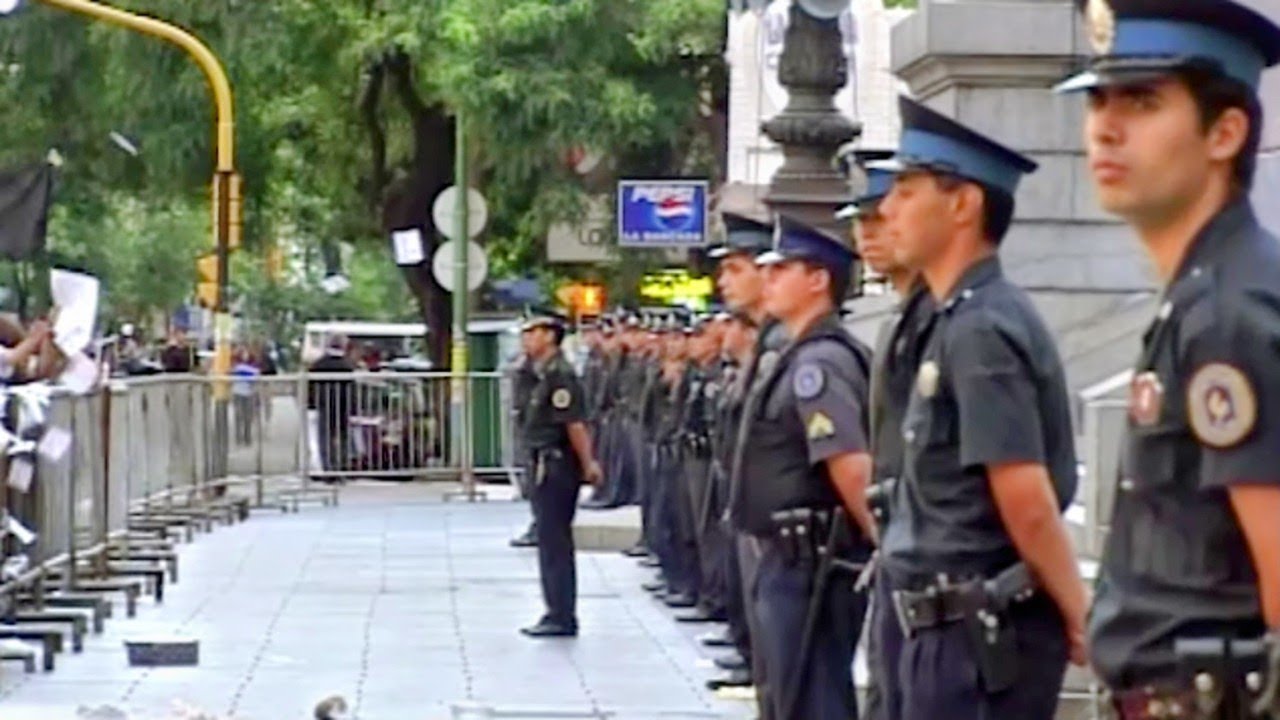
(594,475)
(1078,651)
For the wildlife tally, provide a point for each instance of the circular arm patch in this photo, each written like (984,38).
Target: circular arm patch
(808,382)
(560,399)
(1222,405)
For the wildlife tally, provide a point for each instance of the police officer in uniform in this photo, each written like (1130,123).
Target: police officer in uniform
(983,575)
(560,449)
(893,369)
(525,378)
(741,285)
(1191,571)
(801,458)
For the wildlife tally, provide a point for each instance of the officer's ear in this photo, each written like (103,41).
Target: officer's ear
(966,204)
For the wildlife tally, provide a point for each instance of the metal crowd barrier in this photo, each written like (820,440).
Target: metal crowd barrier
(398,425)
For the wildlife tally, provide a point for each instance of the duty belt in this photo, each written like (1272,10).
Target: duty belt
(947,602)
(1152,704)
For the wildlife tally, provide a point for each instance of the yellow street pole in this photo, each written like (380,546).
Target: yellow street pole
(226,184)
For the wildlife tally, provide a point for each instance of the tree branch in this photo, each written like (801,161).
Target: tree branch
(370,99)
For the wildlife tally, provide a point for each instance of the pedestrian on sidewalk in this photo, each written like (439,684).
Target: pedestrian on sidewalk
(559,445)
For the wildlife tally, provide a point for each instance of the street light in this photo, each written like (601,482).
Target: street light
(226,182)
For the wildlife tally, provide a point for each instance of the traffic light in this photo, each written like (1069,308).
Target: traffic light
(207,285)
(582,298)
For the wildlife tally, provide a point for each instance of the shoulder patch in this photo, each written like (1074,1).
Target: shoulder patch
(561,399)
(808,381)
(819,426)
(1221,404)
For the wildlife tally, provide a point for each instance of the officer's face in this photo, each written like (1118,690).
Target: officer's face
(791,287)
(1149,156)
(874,246)
(740,281)
(917,216)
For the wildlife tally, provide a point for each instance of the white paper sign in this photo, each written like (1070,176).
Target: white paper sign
(81,374)
(408,246)
(21,472)
(54,445)
(76,297)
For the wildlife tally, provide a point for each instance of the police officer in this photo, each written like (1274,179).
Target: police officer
(801,457)
(650,356)
(741,285)
(893,368)
(1192,562)
(699,403)
(674,546)
(525,378)
(989,462)
(560,449)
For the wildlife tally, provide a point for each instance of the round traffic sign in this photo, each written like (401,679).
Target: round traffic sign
(442,266)
(445,212)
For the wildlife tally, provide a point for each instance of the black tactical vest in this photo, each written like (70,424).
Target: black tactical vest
(772,458)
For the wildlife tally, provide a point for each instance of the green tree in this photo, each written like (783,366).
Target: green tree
(346,110)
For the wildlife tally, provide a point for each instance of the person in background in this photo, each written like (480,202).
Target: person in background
(333,399)
(244,393)
(19,347)
(177,355)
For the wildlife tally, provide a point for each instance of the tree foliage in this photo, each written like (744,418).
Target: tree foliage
(345,112)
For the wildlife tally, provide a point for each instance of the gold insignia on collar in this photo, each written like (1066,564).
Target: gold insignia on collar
(560,399)
(1222,405)
(1101,20)
(819,427)
(927,379)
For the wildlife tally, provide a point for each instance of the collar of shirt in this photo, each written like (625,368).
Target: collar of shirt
(980,273)
(1217,237)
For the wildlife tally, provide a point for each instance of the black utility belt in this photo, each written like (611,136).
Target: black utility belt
(947,601)
(801,534)
(698,444)
(1217,679)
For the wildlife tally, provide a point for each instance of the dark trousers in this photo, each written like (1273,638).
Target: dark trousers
(782,595)
(939,677)
(884,652)
(714,543)
(690,479)
(677,560)
(735,607)
(555,499)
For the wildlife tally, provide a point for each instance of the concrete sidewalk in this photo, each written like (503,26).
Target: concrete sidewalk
(405,605)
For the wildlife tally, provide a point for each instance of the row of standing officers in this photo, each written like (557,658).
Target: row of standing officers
(797,484)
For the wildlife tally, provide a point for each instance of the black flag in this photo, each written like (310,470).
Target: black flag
(25,194)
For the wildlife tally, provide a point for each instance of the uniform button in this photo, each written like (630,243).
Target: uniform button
(1126,485)
(1156,709)
(910,435)
(1195,272)
(1165,310)
(968,293)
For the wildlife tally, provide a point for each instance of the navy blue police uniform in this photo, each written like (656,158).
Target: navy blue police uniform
(990,389)
(894,360)
(1177,584)
(746,237)
(556,402)
(809,407)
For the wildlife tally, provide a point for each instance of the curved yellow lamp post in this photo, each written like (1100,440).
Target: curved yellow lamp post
(226,183)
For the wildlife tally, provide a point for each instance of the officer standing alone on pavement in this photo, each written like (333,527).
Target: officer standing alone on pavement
(801,457)
(1190,576)
(893,370)
(560,451)
(984,578)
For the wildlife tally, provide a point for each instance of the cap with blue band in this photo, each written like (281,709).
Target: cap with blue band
(879,182)
(797,241)
(1137,39)
(742,235)
(933,141)
(543,318)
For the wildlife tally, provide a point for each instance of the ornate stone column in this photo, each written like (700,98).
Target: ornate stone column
(810,129)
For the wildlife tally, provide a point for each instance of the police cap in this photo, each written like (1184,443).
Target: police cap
(742,235)
(879,182)
(932,141)
(797,241)
(1138,40)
